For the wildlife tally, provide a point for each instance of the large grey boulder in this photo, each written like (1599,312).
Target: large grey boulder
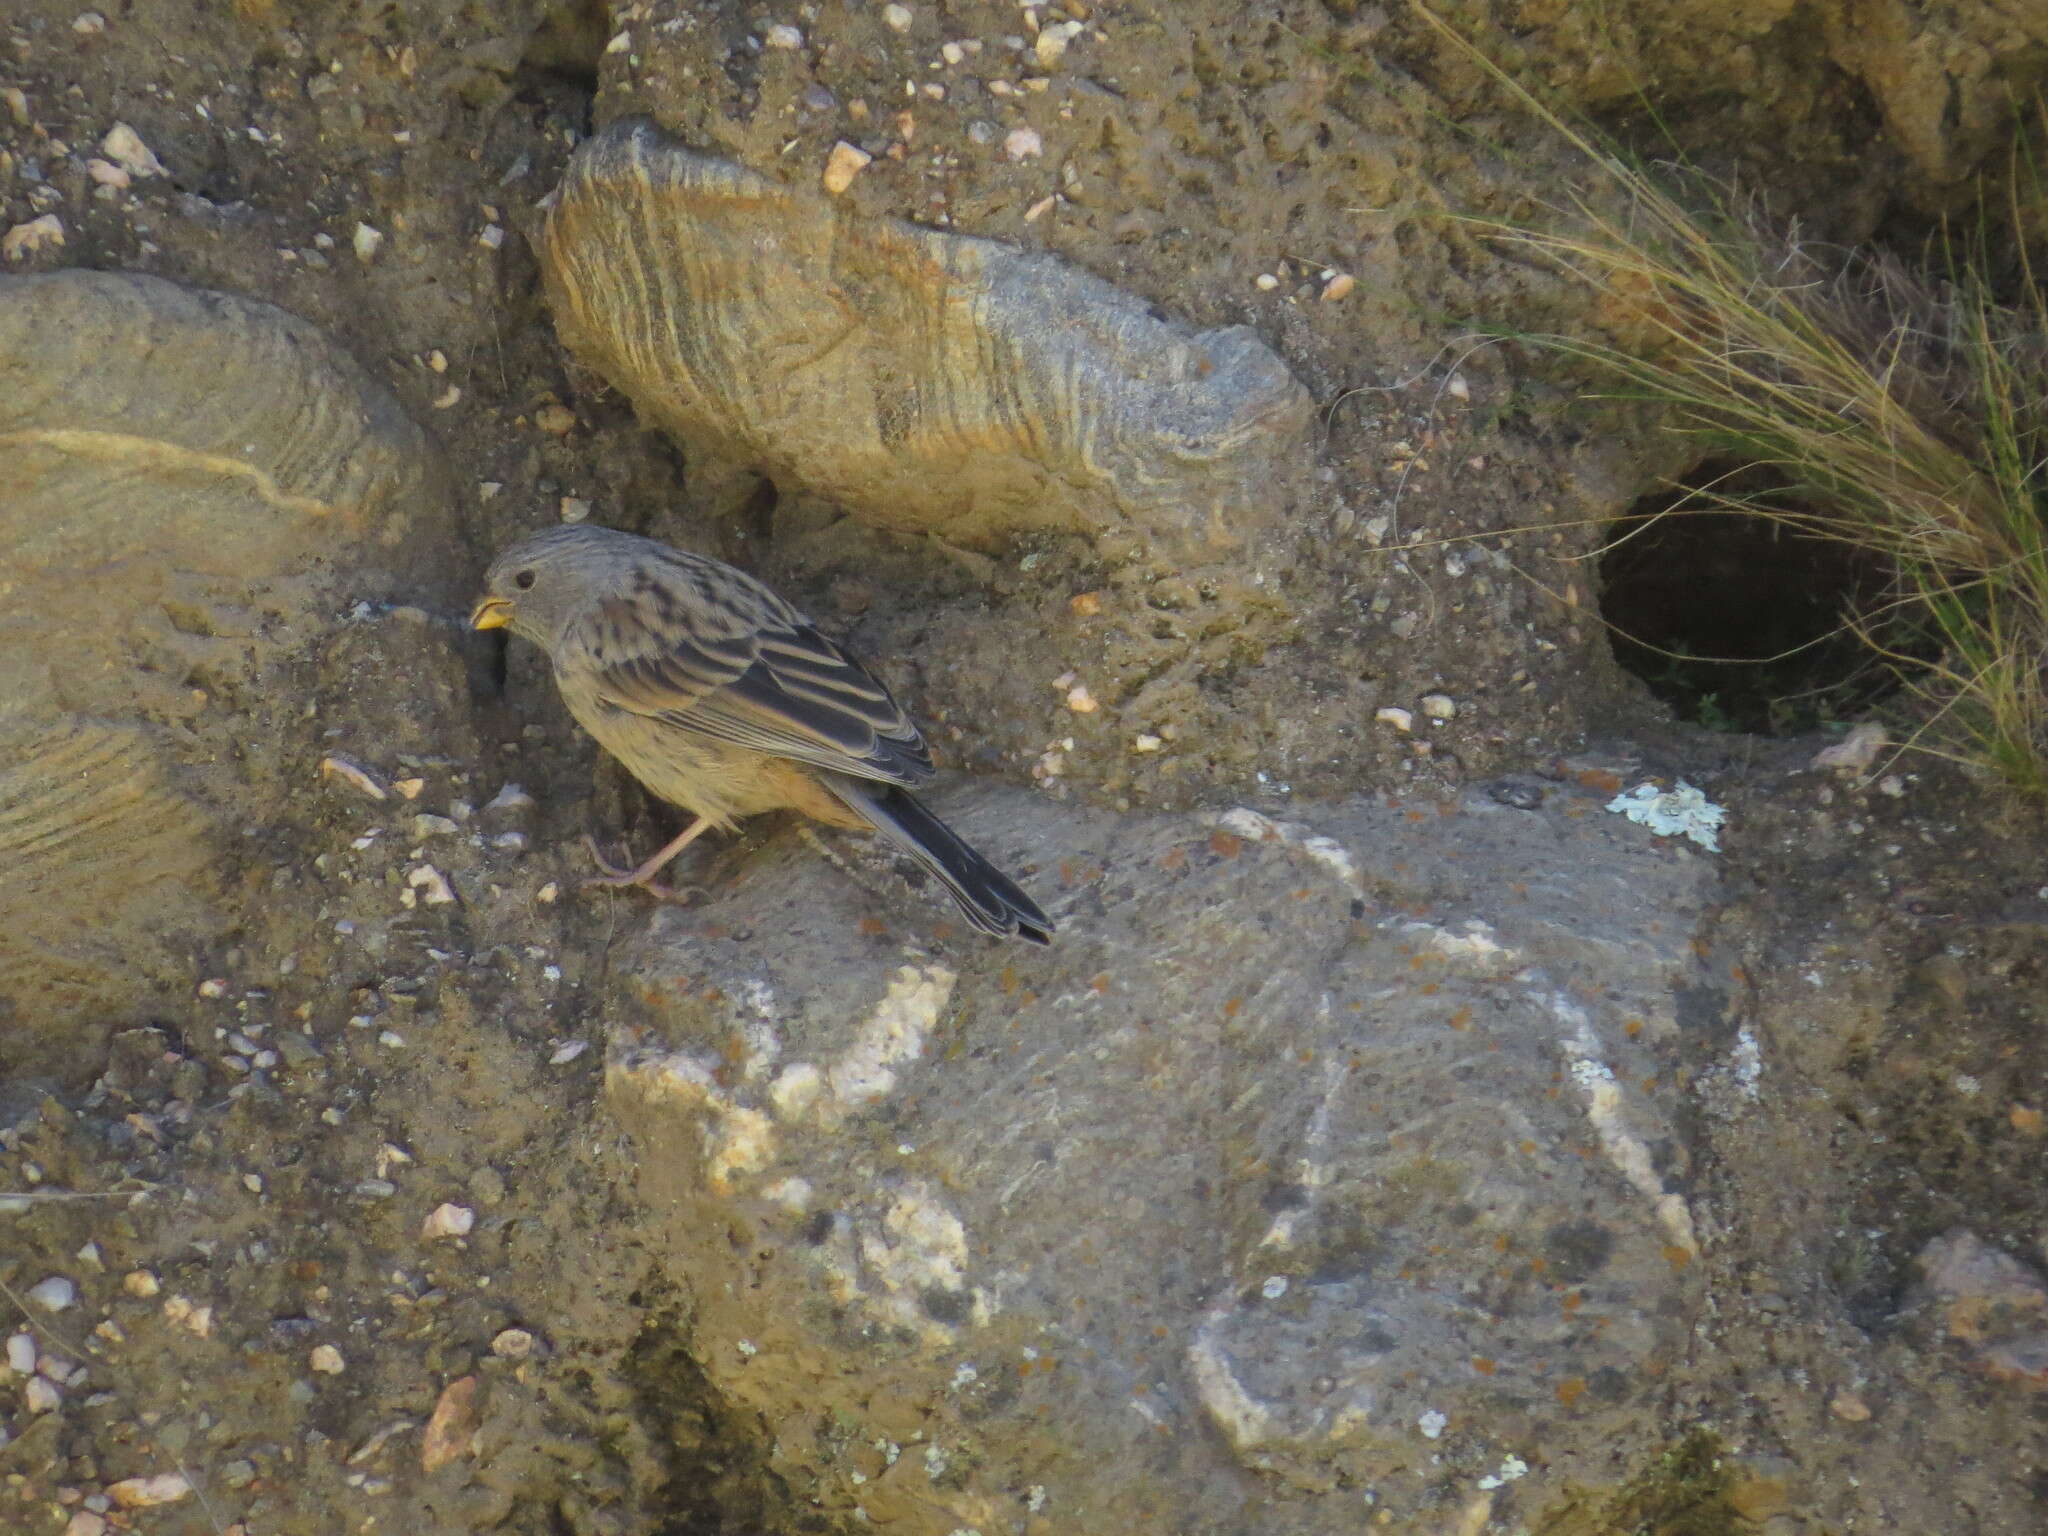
(1322,1168)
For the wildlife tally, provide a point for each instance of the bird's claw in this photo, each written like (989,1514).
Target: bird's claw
(616,877)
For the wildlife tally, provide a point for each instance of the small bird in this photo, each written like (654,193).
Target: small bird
(725,700)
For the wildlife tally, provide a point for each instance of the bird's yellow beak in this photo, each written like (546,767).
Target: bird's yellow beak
(491,613)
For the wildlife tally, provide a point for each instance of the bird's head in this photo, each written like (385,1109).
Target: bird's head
(539,586)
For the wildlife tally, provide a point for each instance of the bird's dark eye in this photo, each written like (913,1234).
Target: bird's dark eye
(523,580)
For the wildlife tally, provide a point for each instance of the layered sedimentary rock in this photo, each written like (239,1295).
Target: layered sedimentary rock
(929,381)
(190,477)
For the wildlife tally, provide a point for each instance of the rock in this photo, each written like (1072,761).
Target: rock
(447,1220)
(1128,1226)
(1990,1301)
(31,236)
(124,146)
(147,1492)
(452,1424)
(844,163)
(53,1294)
(221,468)
(928,381)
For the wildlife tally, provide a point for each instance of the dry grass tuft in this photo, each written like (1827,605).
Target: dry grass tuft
(1904,414)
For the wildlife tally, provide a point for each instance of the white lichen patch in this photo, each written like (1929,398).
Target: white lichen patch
(1624,1149)
(1749,1063)
(796,1090)
(738,1139)
(1326,851)
(1683,811)
(894,1032)
(1473,942)
(1245,1421)
(919,1248)
(761,1042)
(1311,1170)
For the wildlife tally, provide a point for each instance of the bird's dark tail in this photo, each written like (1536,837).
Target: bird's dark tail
(992,901)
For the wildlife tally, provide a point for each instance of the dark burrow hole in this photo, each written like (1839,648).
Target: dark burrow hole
(564,51)
(1733,619)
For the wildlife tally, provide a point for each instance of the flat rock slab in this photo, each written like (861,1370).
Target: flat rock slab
(1324,1167)
(928,381)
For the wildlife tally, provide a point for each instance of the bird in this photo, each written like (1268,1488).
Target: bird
(724,699)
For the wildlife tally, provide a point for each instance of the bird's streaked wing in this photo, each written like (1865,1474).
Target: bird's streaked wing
(705,648)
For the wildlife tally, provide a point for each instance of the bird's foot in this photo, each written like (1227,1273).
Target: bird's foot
(618,877)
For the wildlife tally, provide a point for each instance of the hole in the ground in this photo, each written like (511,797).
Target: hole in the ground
(565,48)
(1735,620)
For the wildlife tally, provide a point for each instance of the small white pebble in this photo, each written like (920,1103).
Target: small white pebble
(140,1282)
(952,53)
(896,17)
(354,773)
(410,788)
(448,398)
(1338,287)
(1023,144)
(41,1396)
(1081,701)
(783,36)
(213,987)
(448,1220)
(1147,742)
(1439,706)
(574,509)
(253,1182)
(844,163)
(512,1344)
(145,1492)
(1266,282)
(53,1294)
(431,884)
(368,242)
(88,23)
(35,235)
(1274,1288)
(1457,388)
(327,1360)
(568,1052)
(1399,719)
(190,1316)
(546,894)
(1039,209)
(124,146)
(1051,43)
(620,43)
(491,237)
(105,173)
(21,1353)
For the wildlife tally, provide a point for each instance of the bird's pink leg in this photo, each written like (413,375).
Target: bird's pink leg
(643,875)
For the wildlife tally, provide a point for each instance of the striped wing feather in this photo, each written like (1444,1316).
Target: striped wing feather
(706,648)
